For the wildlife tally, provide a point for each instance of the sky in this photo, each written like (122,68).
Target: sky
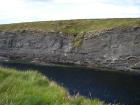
(15,11)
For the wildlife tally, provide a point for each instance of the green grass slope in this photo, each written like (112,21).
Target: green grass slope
(32,88)
(74,26)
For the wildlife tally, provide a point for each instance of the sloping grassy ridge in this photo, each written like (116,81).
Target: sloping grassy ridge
(74,26)
(32,88)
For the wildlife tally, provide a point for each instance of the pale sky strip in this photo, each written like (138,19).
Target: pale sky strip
(13,11)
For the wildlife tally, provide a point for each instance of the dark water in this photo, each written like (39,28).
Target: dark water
(111,87)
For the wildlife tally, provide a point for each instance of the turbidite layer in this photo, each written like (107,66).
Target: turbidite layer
(118,49)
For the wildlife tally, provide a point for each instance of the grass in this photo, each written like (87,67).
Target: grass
(73,26)
(32,88)
(77,41)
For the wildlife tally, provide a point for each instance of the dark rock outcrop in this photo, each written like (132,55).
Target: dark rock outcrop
(117,49)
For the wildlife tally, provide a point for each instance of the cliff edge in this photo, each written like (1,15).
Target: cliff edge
(116,48)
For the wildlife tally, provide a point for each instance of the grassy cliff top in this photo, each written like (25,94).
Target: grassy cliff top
(73,26)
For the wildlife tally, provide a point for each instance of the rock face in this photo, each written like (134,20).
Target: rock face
(117,49)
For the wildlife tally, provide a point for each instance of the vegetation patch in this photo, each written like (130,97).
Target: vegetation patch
(77,41)
(73,26)
(32,88)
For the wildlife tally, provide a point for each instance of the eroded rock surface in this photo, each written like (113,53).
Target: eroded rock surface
(118,49)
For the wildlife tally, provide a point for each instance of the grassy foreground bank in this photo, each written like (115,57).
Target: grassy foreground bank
(32,88)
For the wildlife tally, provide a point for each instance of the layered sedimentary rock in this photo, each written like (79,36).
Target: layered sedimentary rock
(117,49)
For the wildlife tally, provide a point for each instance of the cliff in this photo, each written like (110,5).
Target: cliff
(115,49)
